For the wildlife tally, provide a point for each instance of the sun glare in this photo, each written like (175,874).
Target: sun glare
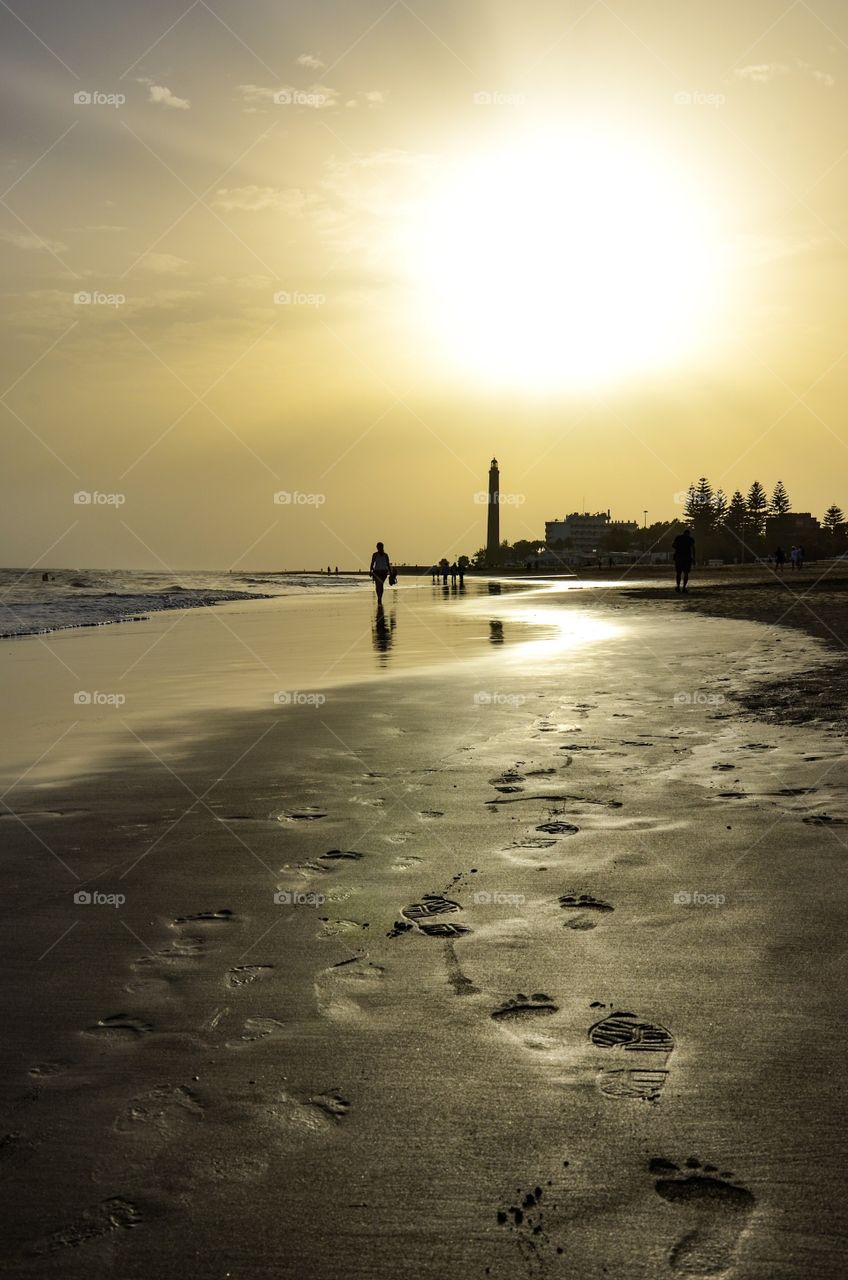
(565,258)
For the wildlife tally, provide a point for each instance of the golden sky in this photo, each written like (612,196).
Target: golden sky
(346,252)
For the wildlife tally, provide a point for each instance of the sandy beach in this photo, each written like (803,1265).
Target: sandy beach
(497,937)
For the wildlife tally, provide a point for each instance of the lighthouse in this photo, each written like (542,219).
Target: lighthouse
(493,536)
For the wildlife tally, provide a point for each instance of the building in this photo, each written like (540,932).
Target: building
(581,533)
(493,525)
(795,526)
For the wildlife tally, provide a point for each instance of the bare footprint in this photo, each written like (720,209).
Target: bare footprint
(333,1103)
(522,1006)
(581,908)
(100,1220)
(718,1210)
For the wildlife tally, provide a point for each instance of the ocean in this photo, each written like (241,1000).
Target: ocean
(31,605)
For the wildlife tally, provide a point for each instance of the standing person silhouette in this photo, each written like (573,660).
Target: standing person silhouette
(381,567)
(684,558)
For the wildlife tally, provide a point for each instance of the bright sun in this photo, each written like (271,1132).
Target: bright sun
(565,259)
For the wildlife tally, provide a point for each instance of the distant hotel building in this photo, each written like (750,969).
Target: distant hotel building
(581,532)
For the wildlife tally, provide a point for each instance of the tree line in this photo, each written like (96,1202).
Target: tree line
(748,526)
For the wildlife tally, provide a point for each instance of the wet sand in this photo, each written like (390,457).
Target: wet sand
(525,960)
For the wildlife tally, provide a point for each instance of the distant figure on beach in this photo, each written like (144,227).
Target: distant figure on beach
(684,558)
(337,570)
(795,557)
(780,560)
(800,556)
(381,567)
(434,572)
(454,570)
(462,575)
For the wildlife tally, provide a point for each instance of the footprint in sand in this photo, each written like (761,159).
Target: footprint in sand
(333,1103)
(115,1214)
(558,828)
(340,988)
(581,907)
(308,813)
(159,1107)
(421,915)
(622,1033)
(257,1029)
(243,974)
(119,1027)
(718,1212)
(522,1006)
(405,862)
(341,855)
(222,916)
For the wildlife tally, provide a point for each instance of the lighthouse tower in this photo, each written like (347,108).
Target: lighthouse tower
(493,536)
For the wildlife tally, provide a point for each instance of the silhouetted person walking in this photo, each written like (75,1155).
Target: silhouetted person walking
(381,567)
(780,560)
(684,558)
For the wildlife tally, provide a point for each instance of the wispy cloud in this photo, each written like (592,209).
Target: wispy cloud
(253,199)
(310,61)
(766,72)
(162,96)
(318,97)
(21,240)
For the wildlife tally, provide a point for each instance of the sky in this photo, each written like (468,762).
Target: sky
(280,280)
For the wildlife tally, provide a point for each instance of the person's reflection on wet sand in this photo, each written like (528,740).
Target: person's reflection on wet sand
(494,588)
(496,633)
(382,633)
